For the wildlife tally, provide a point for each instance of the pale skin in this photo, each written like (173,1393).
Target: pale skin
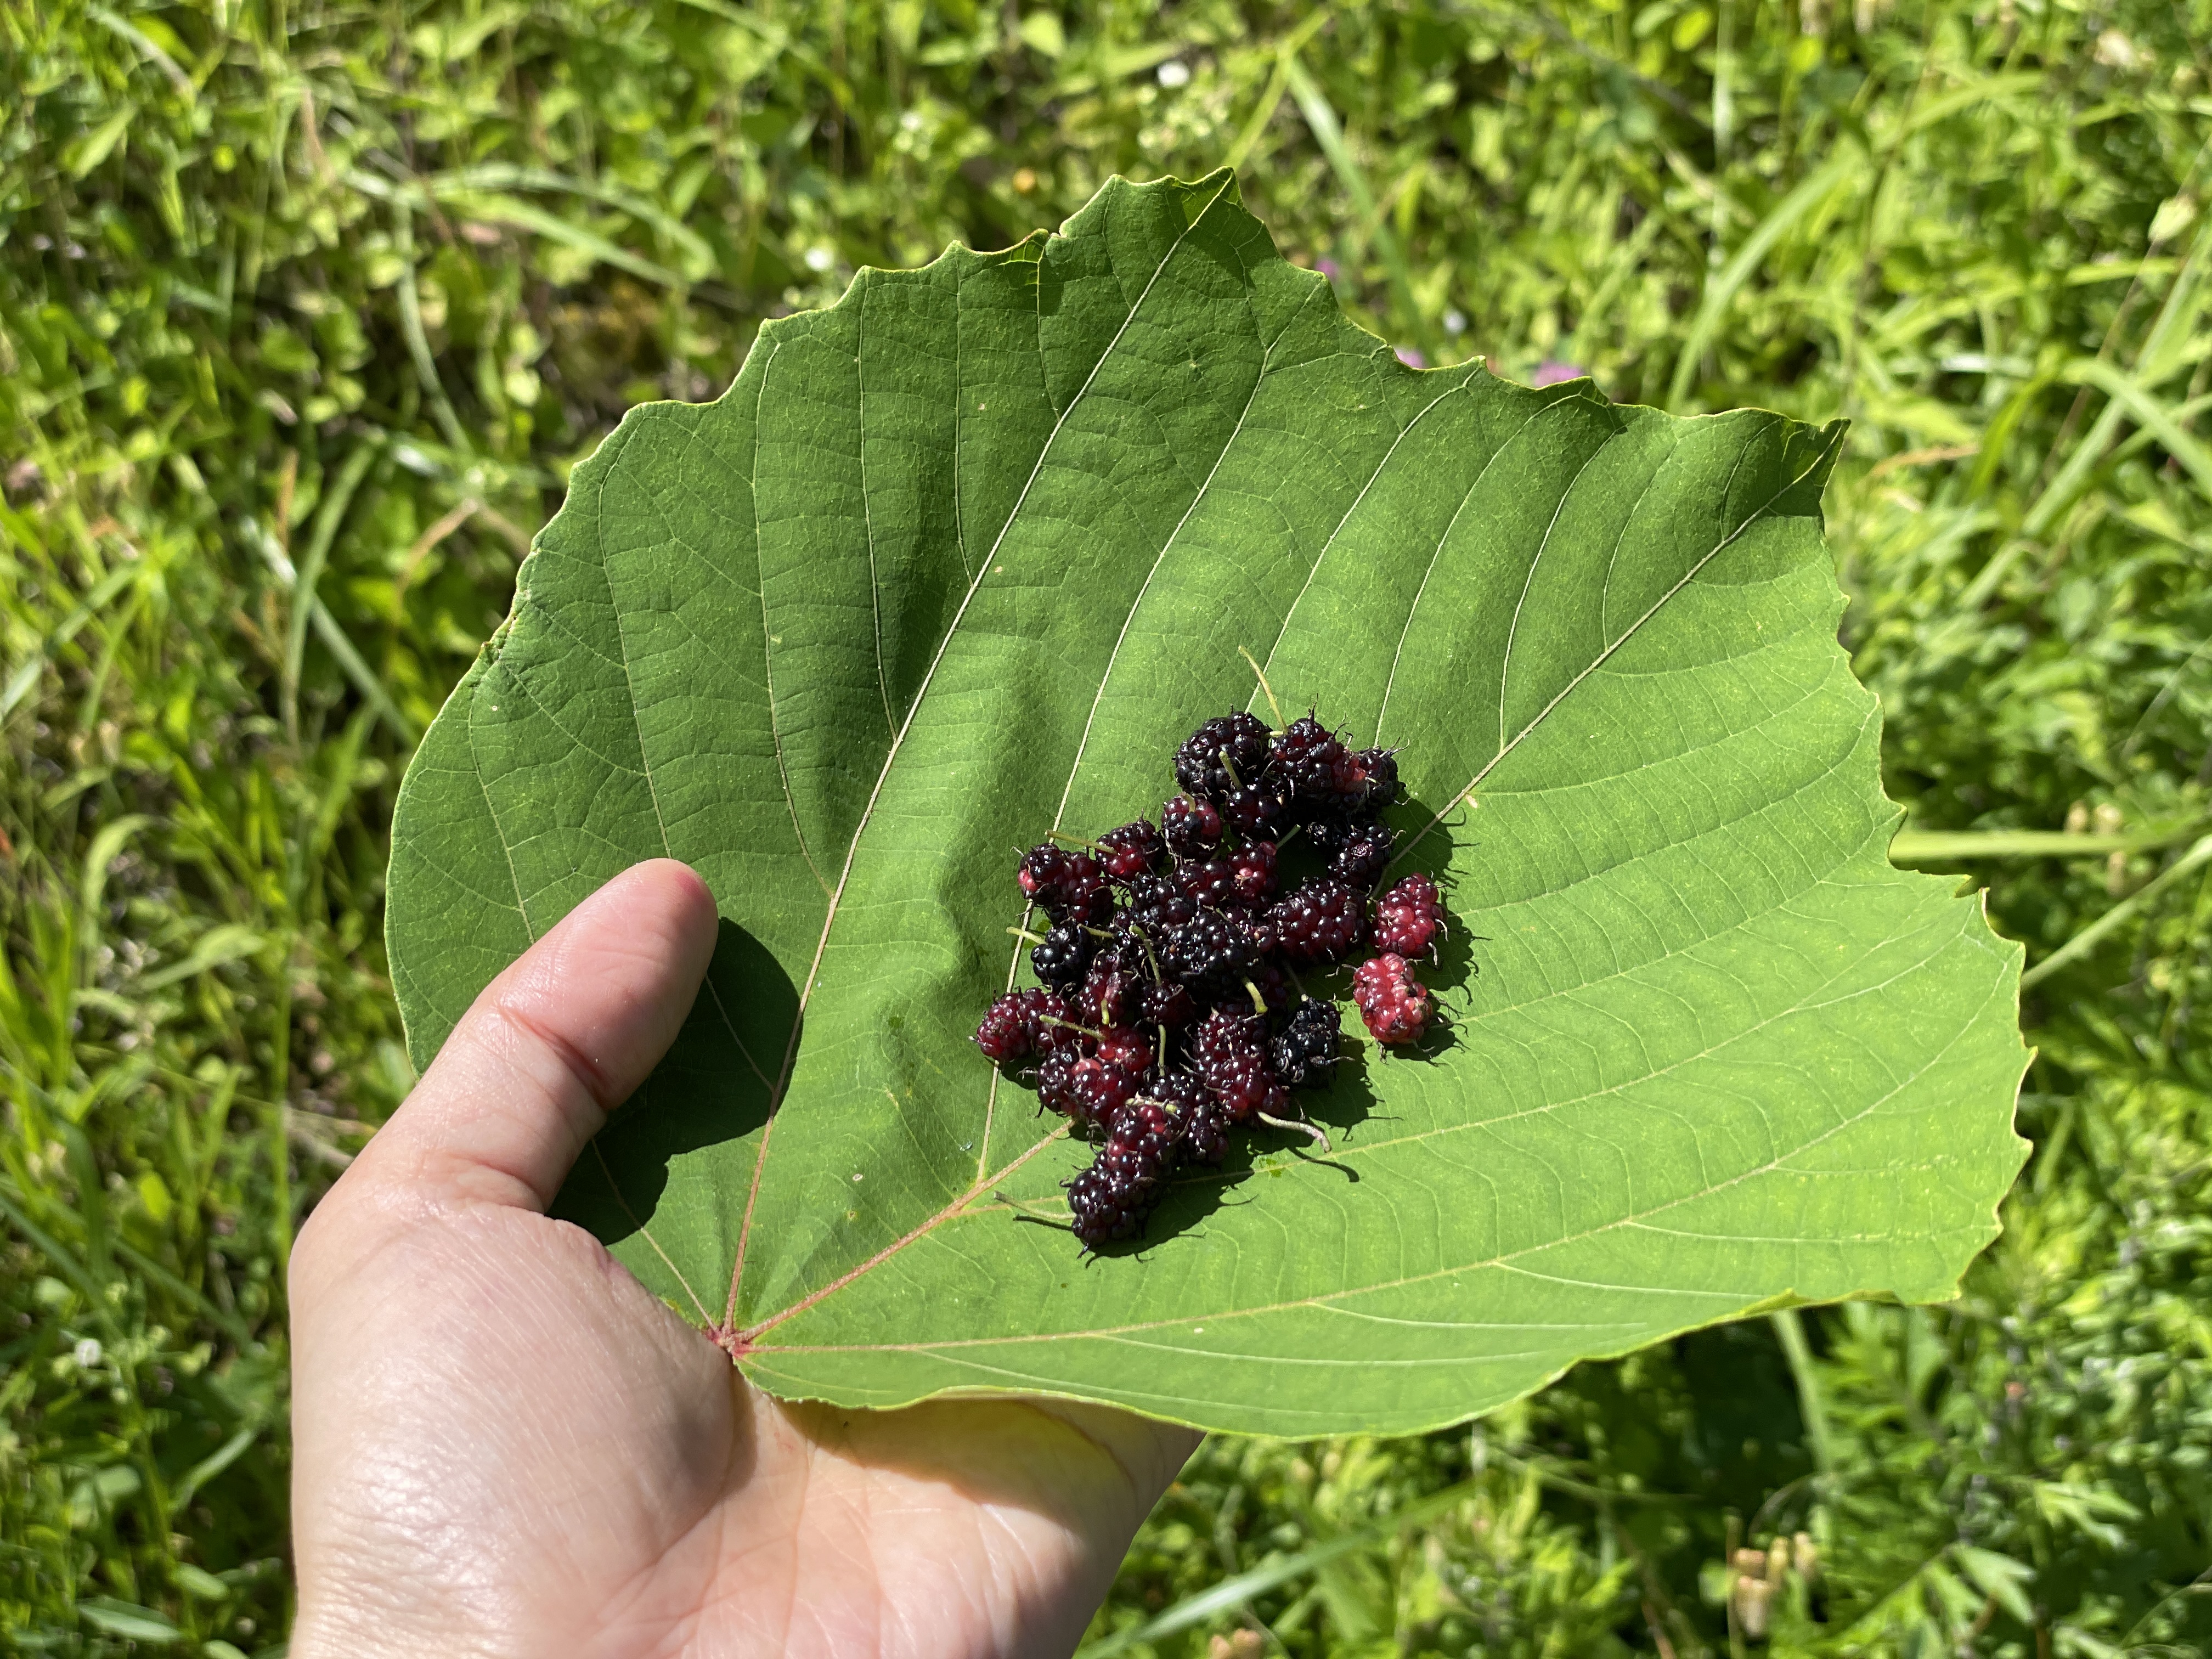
(504,1445)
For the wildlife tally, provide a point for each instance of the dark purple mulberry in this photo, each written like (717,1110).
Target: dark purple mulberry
(1303,760)
(1083,1087)
(1204,1132)
(1129,944)
(1041,870)
(1212,947)
(1223,755)
(1088,899)
(1067,886)
(1360,859)
(1252,869)
(1016,1026)
(1109,992)
(1305,1048)
(1055,1079)
(1178,1091)
(1367,780)
(1126,1048)
(1246,1085)
(1328,832)
(1209,881)
(1131,850)
(1158,906)
(1191,826)
(1256,810)
(1323,921)
(1168,1003)
(1224,1034)
(1062,956)
(1109,1199)
(1274,985)
(1103,1209)
(1200,1123)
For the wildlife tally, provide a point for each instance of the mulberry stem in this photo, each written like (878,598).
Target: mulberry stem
(1070,1025)
(1273,708)
(1314,1130)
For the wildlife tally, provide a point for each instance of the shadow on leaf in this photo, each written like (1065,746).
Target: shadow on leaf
(715,1086)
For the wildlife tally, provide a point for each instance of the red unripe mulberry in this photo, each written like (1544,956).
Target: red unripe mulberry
(1395,1006)
(1409,917)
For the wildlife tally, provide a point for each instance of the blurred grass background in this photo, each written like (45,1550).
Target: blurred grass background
(306,308)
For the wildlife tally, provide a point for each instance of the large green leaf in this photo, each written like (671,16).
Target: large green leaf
(958,561)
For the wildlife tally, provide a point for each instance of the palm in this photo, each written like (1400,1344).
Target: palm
(527,1454)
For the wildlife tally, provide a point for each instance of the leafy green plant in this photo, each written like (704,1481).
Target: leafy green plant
(940,567)
(220,223)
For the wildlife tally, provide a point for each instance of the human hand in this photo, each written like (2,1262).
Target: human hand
(503,1444)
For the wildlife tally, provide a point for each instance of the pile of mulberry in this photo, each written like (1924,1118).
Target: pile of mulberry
(1170,1013)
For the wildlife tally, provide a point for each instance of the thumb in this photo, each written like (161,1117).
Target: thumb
(549,1048)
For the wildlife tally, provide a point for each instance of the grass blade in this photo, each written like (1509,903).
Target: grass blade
(2174,319)
(2126,391)
(463,184)
(1322,120)
(328,514)
(1810,193)
(1943,846)
(26,677)
(356,669)
(1271,97)
(1229,1593)
(2105,925)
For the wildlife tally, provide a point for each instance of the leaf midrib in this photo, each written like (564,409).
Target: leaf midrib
(1106,675)
(913,710)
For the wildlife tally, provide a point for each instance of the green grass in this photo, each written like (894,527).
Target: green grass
(306,310)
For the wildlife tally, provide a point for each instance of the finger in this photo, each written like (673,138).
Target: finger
(549,1048)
